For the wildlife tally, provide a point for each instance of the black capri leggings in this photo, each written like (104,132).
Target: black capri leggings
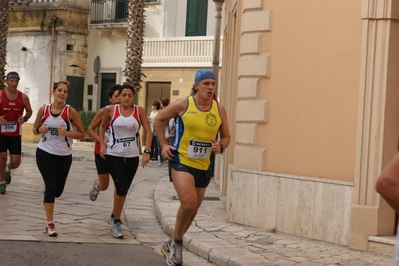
(54,170)
(122,171)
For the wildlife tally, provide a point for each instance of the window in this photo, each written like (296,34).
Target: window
(151,1)
(197,12)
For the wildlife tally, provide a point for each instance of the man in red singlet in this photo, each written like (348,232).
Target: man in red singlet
(13,103)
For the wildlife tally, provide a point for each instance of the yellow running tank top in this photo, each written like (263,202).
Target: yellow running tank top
(194,131)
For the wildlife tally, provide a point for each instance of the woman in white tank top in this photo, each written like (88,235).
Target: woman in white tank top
(123,150)
(58,123)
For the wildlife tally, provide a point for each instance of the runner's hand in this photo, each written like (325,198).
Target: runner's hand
(167,152)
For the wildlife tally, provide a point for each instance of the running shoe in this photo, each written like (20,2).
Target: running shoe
(116,229)
(175,257)
(94,191)
(3,188)
(50,229)
(8,176)
(165,249)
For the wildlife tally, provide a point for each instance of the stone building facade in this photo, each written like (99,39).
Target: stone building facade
(311,90)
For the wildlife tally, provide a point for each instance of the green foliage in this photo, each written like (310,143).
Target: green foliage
(57,21)
(86,117)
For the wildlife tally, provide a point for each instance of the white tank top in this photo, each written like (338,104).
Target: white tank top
(124,133)
(51,141)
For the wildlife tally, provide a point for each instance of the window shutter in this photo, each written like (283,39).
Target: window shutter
(196,17)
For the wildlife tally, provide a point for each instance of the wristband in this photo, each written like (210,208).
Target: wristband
(25,119)
(37,130)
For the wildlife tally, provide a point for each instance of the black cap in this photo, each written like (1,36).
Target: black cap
(13,75)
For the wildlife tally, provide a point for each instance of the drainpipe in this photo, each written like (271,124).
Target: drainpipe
(216,44)
(53,19)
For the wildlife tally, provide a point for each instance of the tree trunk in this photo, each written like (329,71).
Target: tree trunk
(134,43)
(3,39)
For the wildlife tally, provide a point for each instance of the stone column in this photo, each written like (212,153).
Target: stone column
(378,122)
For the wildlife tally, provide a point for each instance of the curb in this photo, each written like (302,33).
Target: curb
(201,238)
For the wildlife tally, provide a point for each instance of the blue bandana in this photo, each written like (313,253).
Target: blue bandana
(203,74)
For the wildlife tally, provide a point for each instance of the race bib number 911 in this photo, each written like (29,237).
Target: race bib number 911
(199,149)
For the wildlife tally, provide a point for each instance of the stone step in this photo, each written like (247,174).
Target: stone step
(382,244)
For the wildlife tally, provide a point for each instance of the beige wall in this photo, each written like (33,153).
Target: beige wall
(181,79)
(310,78)
(312,91)
(313,88)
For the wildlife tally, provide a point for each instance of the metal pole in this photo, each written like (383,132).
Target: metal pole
(53,19)
(216,45)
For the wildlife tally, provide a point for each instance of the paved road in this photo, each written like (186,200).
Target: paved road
(150,211)
(15,253)
(79,220)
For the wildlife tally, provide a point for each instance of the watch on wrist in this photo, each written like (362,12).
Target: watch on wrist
(147,151)
(25,119)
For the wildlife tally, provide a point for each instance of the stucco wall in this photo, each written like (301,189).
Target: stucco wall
(294,156)
(313,88)
(33,63)
(309,66)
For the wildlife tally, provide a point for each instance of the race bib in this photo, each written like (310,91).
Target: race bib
(53,132)
(9,127)
(126,143)
(199,149)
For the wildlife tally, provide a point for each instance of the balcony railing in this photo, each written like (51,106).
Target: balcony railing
(108,11)
(48,3)
(111,11)
(178,52)
(26,2)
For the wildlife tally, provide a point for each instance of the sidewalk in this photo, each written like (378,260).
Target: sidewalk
(223,243)
(211,236)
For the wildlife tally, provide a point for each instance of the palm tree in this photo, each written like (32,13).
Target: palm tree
(3,39)
(134,42)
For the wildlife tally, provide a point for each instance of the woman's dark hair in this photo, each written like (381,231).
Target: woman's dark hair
(157,105)
(111,89)
(165,102)
(55,85)
(127,86)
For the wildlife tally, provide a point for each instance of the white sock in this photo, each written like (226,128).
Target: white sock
(7,168)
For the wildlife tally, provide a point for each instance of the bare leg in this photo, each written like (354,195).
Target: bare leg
(388,183)
(103,182)
(119,201)
(49,208)
(15,161)
(190,200)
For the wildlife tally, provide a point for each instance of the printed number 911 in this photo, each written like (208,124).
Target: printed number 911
(199,150)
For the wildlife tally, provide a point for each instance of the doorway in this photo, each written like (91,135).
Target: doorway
(75,96)
(107,79)
(156,91)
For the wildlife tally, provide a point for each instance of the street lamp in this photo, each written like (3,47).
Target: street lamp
(216,44)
